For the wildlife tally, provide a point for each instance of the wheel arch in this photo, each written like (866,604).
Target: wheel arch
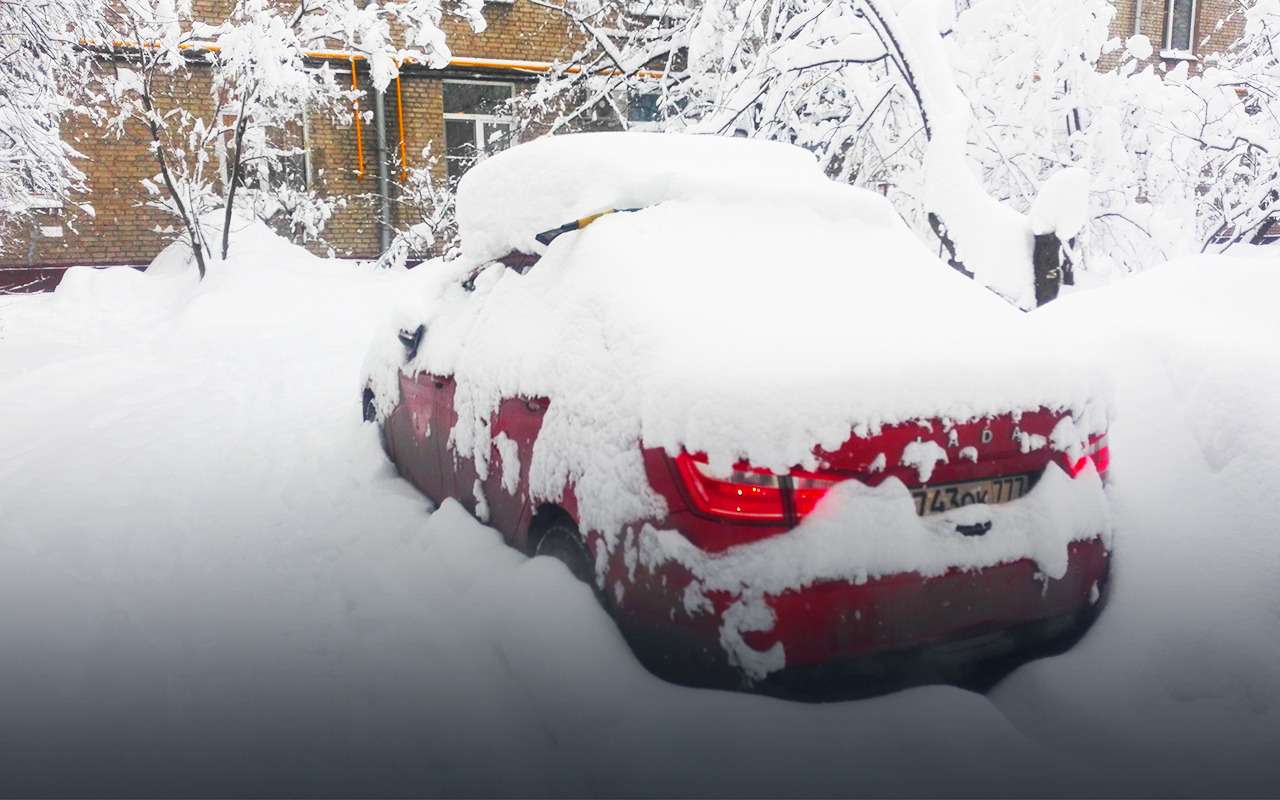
(545,516)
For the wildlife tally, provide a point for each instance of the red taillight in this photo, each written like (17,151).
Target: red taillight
(1098,452)
(807,489)
(745,493)
(751,493)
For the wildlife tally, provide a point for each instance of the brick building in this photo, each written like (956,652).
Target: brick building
(455,110)
(1180,30)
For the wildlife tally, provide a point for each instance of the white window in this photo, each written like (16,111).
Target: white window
(1180,28)
(476,122)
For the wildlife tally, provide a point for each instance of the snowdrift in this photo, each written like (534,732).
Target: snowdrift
(211,574)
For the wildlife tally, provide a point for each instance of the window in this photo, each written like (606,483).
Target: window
(646,110)
(1180,27)
(292,168)
(274,157)
(643,109)
(475,122)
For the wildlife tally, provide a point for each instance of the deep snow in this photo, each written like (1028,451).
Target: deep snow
(213,581)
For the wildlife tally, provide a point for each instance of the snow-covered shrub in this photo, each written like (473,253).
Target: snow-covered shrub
(299,213)
(1178,161)
(427,201)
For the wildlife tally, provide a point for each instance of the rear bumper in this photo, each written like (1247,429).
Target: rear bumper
(968,615)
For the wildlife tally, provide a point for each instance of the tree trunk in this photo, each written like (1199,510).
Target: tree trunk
(940,230)
(191,224)
(1048,271)
(236,164)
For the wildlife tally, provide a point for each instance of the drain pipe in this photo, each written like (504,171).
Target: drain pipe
(384,178)
(1137,17)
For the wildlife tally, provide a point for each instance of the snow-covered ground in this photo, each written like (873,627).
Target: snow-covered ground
(212,580)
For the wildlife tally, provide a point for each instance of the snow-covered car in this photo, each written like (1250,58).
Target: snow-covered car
(766,424)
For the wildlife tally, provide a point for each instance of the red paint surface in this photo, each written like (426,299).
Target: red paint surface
(814,624)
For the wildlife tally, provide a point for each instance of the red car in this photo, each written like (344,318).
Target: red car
(722,572)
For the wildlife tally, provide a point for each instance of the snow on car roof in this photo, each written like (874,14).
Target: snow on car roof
(505,200)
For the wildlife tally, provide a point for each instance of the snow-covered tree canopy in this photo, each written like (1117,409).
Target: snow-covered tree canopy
(962,119)
(42,70)
(864,84)
(1178,160)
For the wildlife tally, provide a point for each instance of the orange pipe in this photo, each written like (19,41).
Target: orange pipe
(404,147)
(483,63)
(355,104)
(346,55)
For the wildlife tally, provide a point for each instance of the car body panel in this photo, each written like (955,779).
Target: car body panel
(843,619)
(819,623)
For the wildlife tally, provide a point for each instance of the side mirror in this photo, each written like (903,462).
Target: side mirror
(411,340)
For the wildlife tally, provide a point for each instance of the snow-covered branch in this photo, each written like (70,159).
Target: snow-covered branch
(46,77)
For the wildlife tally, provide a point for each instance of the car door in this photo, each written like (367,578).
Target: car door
(458,469)
(501,498)
(416,434)
(514,429)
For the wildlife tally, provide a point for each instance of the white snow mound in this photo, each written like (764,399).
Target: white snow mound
(507,199)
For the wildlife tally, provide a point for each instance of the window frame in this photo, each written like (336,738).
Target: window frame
(477,120)
(1169,50)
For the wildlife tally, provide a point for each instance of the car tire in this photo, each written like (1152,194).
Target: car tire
(369,412)
(562,542)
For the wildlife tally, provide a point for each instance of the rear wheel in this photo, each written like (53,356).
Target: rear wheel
(562,542)
(369,410)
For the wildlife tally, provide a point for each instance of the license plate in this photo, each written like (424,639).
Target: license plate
(942,498)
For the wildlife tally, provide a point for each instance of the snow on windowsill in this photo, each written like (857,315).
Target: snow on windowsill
(1178,55)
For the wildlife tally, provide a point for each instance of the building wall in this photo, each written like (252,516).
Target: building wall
(519,29)
(124,231)
(335,167)
(121,229)
(1218,25)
